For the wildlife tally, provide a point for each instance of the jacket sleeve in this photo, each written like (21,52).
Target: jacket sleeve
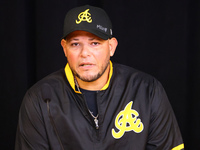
(31,133)
(164,133)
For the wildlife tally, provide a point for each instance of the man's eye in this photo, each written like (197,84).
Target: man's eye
(95,43)
(74,44)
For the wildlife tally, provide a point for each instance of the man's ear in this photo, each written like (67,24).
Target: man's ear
(64,46)
(113,45)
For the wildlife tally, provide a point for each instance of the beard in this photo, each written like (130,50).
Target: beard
(91,78)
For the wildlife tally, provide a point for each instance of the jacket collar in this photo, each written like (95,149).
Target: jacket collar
(70,77)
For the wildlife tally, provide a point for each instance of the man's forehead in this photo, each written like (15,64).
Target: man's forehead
(80,33)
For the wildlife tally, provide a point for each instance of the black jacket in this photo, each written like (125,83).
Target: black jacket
(134,114)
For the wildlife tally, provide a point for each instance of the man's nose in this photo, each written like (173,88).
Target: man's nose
(85,51)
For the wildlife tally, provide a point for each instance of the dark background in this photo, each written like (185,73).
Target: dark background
(159,37)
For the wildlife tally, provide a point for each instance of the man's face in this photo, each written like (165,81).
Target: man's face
(88,55)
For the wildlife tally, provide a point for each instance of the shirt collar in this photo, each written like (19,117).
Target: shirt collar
(70,77)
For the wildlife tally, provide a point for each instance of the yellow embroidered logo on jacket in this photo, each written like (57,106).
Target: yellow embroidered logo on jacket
(127,120)
(84,16)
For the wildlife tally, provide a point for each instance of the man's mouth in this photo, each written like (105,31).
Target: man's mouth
(86,65)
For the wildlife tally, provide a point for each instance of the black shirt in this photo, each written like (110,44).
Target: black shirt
(91,100)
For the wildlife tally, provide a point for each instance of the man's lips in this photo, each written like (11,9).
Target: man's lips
(86,65)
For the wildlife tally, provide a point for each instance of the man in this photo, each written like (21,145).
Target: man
(94,104)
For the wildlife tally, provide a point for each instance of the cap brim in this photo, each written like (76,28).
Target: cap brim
(97,33)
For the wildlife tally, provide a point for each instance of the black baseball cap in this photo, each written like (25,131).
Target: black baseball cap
(88,18)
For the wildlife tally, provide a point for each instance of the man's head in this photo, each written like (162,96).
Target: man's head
(88,48)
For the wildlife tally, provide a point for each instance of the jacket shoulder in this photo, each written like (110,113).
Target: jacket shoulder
(54,79)
(129,73)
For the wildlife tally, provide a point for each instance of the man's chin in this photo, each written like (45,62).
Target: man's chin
(89,78)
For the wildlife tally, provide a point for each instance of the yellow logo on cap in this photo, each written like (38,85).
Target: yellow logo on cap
(127,120)
(84,16)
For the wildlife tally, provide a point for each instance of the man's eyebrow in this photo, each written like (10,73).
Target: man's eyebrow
(73,39)
(92,38)
(95,38)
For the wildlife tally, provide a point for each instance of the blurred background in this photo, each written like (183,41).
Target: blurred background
(161,38)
